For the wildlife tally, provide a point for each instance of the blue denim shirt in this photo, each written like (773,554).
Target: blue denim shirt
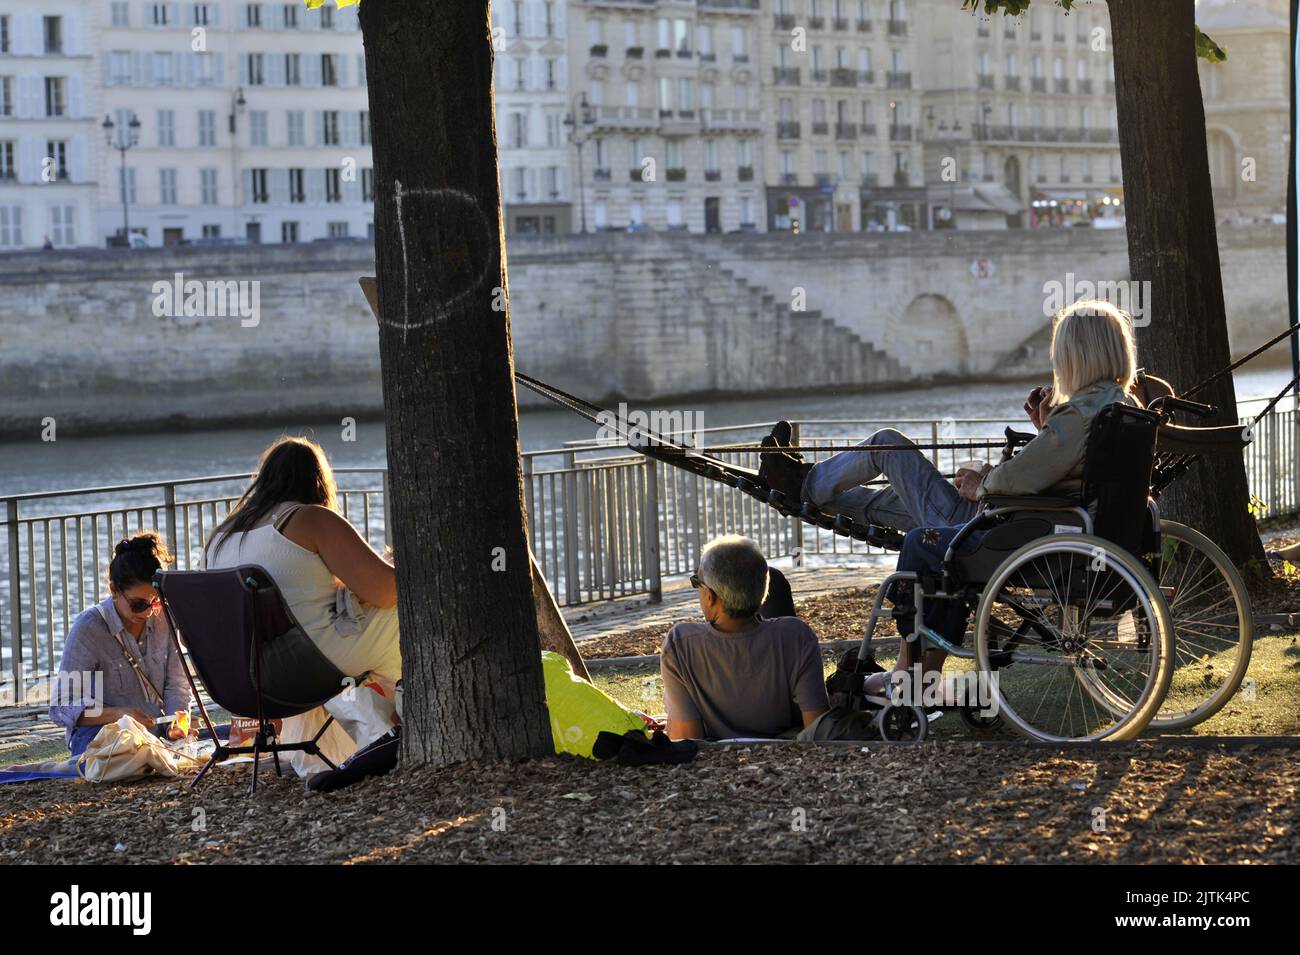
(93,672)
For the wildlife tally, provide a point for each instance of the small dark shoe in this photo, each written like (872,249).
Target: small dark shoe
(783,473)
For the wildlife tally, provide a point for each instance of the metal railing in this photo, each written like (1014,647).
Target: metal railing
(603,522)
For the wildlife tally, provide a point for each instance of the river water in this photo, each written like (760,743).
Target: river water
(77,461)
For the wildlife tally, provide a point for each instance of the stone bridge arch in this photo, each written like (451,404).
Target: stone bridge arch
(934,337)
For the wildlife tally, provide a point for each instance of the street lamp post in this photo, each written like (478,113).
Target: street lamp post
(580,121)
(129,136)
(237,105)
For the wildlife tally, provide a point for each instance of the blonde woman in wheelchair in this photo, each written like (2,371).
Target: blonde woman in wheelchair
(1093,357)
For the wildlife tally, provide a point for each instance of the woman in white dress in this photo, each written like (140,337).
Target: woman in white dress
(342,593)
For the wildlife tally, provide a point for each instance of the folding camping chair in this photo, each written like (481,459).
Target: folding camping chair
(251,654)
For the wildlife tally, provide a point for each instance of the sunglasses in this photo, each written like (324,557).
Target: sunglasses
(697,583)
(141,604)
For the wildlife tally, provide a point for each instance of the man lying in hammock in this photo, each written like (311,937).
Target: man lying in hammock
(917,494)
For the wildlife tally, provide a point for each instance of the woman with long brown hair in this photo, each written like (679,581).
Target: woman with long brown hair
(342,593)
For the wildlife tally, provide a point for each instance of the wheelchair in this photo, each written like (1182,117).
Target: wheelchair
(1093,618)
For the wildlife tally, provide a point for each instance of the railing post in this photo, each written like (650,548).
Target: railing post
(15,603)
(388,512)
(169,503)
(796,525)
(571,589)
(934,440)
(650,532)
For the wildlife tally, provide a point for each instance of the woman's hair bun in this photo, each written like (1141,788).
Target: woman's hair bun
(136,558)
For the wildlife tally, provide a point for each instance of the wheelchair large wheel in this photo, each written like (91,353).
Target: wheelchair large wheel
(1214,629)
(1085,610)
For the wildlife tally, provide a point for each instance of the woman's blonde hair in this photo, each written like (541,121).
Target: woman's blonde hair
(1092,341)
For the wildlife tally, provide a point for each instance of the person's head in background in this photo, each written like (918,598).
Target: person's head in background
(731,582)
(290,470)
(130,578)
(1092,341)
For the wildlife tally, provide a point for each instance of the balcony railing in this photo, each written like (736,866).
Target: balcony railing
(841,24)
(676,173)
(867,129)
(787,129)
(1038,84)
(820,76)
(785,75)
(864,26)
(900,133)
(712,175)
(844,77)
(846,130)
(866,77)
(816,23)
(599,49)
(898,81)
(732,118)
(820,129)
(1012,83)
(600,175)
(898,28)
(986,81)
(634,52)
(1062,86)
(870,180)
(625,117)
(1085,87)
(789,179)
(783,21)
(745,174)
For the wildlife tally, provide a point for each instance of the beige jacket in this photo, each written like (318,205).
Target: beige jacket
(1052,463)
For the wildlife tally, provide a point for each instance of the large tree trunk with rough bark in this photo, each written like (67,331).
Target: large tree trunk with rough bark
(471,670)
(1172,242)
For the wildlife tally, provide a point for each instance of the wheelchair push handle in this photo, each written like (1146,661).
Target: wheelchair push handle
(1167,403)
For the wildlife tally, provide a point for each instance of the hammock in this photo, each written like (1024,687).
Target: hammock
(1180,448)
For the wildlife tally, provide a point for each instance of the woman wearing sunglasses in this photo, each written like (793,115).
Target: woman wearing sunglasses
(120,658)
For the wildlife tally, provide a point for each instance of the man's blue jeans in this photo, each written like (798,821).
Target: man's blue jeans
(917,496)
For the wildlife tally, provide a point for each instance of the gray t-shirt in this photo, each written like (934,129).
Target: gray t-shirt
(753,683)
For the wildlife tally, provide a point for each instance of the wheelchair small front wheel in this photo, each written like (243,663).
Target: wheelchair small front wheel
(902,724)
(979,719)
(1090,613)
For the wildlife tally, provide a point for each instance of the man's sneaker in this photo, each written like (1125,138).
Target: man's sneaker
(781,472)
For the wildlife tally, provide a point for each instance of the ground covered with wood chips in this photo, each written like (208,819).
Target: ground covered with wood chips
(940,802)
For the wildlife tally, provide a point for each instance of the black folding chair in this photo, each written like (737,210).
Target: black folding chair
(253,657)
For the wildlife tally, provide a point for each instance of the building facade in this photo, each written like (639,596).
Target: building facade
(1018,116)
(531,85)
(48,128)
(671,134)
(842,99)
(1247,106)
(253,122)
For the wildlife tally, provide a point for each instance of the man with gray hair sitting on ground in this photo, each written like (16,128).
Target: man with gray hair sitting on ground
(739,675)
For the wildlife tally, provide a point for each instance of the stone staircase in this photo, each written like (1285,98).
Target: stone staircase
(787,349)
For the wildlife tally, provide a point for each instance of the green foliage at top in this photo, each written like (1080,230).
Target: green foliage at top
(1205,46)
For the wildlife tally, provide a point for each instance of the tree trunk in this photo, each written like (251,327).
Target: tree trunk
(1173,244)
(470,664)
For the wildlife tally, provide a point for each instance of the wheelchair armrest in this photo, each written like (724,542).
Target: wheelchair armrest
(1041,502)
